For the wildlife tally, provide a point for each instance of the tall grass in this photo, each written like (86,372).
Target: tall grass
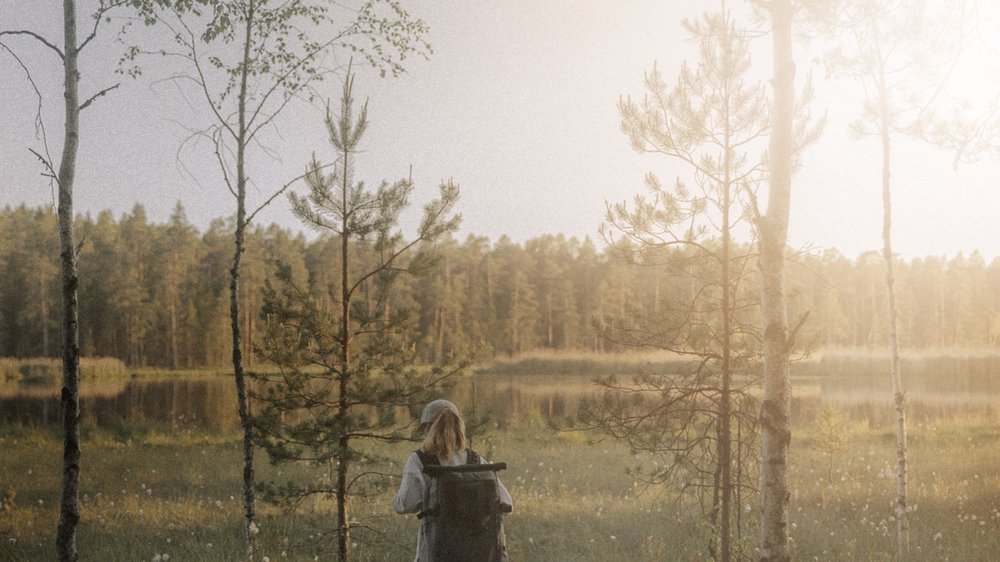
(583,363)
(974,368)
(947,363)
(44,370)
(148,490)
(178,495)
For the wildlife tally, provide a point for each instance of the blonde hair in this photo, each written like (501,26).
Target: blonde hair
(446,435)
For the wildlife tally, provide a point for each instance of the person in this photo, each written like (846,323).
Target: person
(444,437)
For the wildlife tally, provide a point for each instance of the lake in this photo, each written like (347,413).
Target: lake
(936,389)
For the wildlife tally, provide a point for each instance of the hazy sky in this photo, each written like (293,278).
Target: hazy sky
(518,104)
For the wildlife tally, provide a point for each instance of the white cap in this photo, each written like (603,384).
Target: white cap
(434,409)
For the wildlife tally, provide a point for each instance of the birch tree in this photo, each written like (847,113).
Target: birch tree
(248,60)
(901,52)
(772,233)
(65,177)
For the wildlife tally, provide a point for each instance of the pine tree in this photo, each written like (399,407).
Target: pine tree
(267,54)
(345,365)
(711,121)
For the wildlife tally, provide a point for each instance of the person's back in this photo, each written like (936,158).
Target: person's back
(455,493)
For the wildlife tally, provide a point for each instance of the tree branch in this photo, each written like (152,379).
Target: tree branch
(191,45)
(103,9)
(754,203)
(283,189)
(790,342)
(45,162)
(217,141)
(281,80)
(43,40)
(91,99)
(39,123)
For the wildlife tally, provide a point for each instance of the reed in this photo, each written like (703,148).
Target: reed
(47,370)
(583,363)
(918,363)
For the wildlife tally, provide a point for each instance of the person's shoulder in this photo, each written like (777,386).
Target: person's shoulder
(415,460)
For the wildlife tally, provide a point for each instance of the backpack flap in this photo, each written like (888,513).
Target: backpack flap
(469,503)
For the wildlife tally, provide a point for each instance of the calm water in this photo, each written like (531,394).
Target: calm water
(209,403)
(187,403)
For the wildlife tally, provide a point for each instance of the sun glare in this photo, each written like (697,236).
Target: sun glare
(973,81)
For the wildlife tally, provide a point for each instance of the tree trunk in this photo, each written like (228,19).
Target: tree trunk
(173,333)
(737,487)
(515,309)
(550,336)
(656,296)
(248,314)
(188,336)
(725,442)
(43,305)
(773,233)
(343,522)
(902,522)
(69,504)
(386,309)
(489,285)
(713,515)
(440,313)
(437,330)
(249,498)
(130,352)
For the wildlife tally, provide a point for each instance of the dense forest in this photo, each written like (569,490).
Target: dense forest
(155,294)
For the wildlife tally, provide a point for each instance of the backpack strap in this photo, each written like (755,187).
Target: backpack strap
(472,457)
(427,459)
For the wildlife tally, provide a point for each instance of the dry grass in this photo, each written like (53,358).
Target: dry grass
(43,371)
(177,495)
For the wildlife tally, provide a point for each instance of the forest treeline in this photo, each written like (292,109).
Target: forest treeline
(156,294)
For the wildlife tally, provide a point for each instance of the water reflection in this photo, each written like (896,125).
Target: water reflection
(174,405)
(506,400)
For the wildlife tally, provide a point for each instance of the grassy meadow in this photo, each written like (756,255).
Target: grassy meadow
(149,494)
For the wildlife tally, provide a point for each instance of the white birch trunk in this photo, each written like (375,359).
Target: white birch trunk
(243,402)
(902,522)
(69,506)
(773,233)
